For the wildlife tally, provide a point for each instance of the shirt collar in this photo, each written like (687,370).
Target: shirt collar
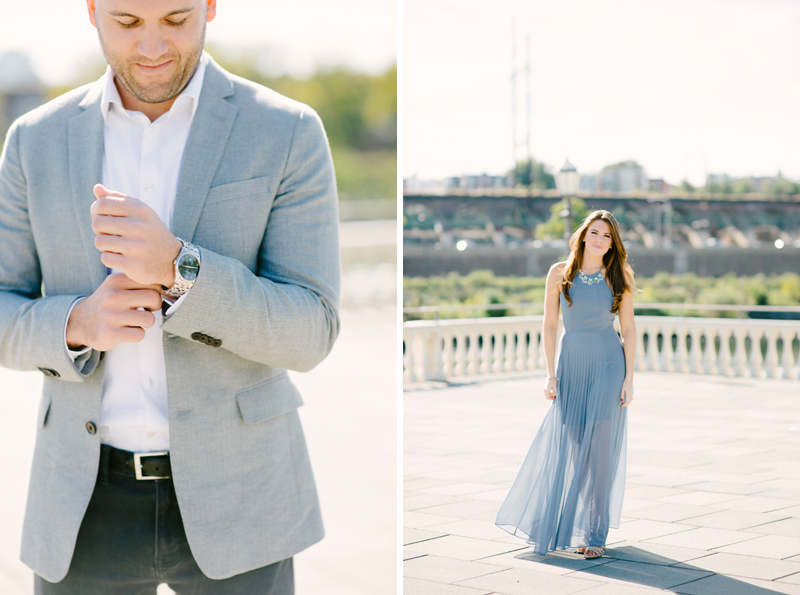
(190,93)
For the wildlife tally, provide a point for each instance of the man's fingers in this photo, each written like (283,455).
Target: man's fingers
(113,261)
(115,206)
(131,334)
(100,191)
(149,299)
(122,281)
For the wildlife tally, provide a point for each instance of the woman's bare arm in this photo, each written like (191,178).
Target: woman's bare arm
(627,328)
(552,305)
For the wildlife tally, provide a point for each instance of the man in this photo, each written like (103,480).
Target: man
(168,248)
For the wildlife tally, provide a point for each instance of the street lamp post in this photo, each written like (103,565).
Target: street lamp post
(567,181)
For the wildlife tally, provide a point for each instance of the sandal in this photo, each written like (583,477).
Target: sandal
(592,552)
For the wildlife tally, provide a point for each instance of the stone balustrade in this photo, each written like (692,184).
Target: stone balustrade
(437,350)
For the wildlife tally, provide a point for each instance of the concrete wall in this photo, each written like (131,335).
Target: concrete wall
(425,261)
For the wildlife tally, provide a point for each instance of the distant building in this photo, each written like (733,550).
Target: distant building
(626,176)
(485,182)
(717,179)
(726,183)
(659,185)
(20,89)
(589,183)
(414,185)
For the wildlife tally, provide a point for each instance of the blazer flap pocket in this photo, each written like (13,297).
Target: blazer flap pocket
(268,399)
(238,189)
(44,409)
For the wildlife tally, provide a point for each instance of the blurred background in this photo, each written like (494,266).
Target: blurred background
(677,116)
(339,58)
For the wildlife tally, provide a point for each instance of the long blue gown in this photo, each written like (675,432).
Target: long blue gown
(569,489)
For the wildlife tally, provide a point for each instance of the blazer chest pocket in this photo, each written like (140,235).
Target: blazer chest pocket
(268,399)
(241,189)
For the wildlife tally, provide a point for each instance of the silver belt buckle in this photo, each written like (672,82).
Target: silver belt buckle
(137,464)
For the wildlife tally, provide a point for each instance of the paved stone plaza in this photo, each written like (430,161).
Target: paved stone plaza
(712,499)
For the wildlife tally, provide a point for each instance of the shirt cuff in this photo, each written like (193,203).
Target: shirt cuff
(174,304)
(79,356)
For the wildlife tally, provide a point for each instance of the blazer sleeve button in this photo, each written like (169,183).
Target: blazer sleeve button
(50,373)
(197,336)
(91,428)
(216,343)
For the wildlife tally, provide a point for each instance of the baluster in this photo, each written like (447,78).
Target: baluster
(652,348)
(509,357)
(682,355)
(408,359)
(710,354)
(498,351)
(534,349)
(486,351)
(788,359)
(522,349)
(724,355)
(772,353)
(473,367)
(460,368)
(740,353)
(696,351)
(641,364)
(667,354)
(420,356)
(448,359)
(425,358)
(756,358)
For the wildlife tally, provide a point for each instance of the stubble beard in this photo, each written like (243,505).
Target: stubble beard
(123,68)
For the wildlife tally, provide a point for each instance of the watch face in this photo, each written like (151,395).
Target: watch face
(188,266)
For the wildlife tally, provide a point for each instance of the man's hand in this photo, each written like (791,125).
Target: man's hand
(133,239)
(110,316)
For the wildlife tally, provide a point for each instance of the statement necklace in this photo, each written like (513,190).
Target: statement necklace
(591,280)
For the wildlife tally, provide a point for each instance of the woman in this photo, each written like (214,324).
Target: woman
(569,489)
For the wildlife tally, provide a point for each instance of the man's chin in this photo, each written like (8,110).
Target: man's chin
(154,94)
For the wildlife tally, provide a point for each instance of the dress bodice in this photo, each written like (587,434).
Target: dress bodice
(591,304)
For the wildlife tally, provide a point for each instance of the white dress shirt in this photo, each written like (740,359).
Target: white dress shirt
(142,159)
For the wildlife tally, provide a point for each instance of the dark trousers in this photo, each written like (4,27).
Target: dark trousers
(132,539)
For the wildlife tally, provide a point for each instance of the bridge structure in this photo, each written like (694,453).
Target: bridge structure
(653,220)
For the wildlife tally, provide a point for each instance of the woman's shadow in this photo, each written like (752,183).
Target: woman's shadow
(637,566)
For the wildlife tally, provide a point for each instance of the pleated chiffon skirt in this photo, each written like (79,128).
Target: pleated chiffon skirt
(569,490)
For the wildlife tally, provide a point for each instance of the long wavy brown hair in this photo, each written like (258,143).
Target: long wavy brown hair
(618,272)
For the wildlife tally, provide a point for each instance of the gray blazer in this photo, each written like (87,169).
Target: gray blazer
(257,194)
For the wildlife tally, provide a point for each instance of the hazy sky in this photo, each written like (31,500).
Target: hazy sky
(300,34)
(684,87)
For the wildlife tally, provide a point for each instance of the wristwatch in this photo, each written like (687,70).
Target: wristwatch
(187,266)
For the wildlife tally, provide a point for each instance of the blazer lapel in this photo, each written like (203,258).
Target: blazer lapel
(85,144)
(205,146)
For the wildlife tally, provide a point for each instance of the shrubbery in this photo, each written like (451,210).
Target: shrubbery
(483,287)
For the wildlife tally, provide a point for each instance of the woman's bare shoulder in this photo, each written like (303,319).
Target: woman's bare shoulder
(556,272)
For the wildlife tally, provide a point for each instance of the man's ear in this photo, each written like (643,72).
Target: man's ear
(90,7)
(212,10)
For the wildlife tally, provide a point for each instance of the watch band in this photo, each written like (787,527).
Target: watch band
(182,285)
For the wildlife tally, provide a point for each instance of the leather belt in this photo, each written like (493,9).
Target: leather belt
(151,465)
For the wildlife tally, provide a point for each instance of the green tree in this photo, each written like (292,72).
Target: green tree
(533,174)
(553,228)
(782,186)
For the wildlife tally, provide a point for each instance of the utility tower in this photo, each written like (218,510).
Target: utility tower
(515,74)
